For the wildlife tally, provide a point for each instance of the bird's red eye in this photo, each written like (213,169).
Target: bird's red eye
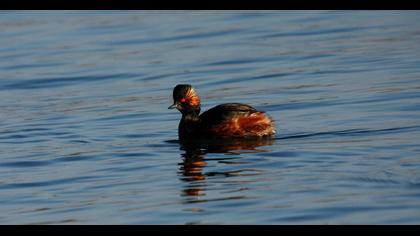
(183,100)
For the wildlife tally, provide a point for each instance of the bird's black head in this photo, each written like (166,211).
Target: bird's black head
(185,98)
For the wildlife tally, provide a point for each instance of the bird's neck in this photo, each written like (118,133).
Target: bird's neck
(191,116)
(189,124)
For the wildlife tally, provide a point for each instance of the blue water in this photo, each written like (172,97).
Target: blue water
(86,136)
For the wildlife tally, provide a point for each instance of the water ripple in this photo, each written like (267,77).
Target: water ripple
(354,132)
(70,180)
(62,81)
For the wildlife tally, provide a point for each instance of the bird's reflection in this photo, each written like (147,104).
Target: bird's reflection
(192,171)
(192,168)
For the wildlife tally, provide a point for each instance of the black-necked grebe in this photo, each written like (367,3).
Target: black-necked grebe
(225,120)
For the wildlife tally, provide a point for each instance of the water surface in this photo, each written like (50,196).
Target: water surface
(86,136)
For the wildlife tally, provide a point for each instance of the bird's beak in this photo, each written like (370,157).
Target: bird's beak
(173,106)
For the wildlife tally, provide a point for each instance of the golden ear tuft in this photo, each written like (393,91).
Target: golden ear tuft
(194,99)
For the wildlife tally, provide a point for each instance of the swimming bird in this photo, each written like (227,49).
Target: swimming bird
(226,120)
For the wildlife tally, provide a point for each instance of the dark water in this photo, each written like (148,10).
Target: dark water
(86,136)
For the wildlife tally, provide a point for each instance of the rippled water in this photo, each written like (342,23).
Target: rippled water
(86,136)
